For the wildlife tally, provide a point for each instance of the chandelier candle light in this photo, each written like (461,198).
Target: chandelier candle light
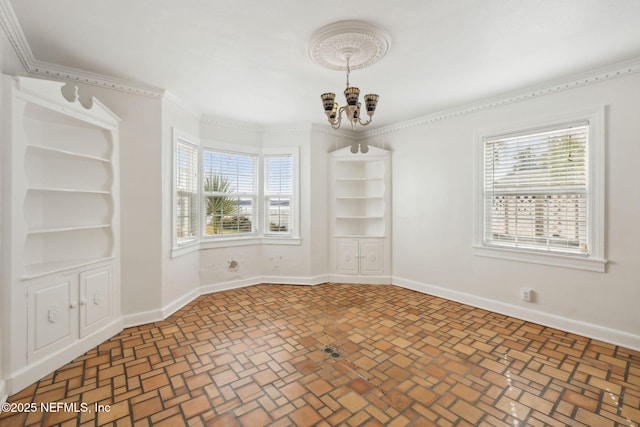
(353,107)
(348,45)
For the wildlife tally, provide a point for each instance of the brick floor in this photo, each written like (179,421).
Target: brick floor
(337,354)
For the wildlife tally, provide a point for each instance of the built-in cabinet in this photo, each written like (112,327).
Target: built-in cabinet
(360,191)
(62,234)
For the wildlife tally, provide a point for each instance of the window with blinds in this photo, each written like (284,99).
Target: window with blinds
(186,192)
(278,193)
(536,193)
(229,192)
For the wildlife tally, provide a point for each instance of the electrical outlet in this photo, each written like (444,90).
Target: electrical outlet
(527,295)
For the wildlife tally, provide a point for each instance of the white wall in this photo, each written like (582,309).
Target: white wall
(180,275)
(141,179)
(322,143)
(433,182)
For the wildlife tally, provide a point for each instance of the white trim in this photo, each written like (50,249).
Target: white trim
(225,286)
(3,391)
(185,138)
(185,249)
(596,260)
(36,371)
(557,260)
(585,329)
(295,280)
(294,152)
(142,318)
(362,280)
(177,304)
(171,308)
(11,26)
(620,69)
(13,30)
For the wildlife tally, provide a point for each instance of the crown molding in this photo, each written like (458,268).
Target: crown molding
(335,132)
(596,76)
(176,102)
(17,39)
(13,30)
(230,123)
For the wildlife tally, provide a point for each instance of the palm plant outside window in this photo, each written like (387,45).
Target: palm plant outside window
(229,188)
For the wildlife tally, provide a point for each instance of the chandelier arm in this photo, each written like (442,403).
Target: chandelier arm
(335,123)
(367,122)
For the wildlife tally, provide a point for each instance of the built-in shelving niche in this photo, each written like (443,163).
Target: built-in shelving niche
(68,204)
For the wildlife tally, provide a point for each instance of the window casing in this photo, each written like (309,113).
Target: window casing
(540,193)
(186,192)
(536,190)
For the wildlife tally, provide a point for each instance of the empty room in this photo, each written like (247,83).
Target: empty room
(296,213)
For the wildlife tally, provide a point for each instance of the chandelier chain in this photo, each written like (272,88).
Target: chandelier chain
(348,71)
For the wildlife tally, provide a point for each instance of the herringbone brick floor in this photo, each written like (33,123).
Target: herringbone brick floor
(337,354)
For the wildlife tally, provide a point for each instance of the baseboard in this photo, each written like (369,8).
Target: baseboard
(588,330)
(180,302)
(137,319)
(225,286)
(3,392)
(295,280)
(361,280)
(34,372)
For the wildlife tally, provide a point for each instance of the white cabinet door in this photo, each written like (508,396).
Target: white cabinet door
(95,299)
(371,257)
(360,256)
(347,253)
(54,315)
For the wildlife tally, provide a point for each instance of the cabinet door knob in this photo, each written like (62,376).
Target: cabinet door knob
(83,301)
(73,305)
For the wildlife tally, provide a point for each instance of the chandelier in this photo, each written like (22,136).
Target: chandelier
(353,107)
(348,45)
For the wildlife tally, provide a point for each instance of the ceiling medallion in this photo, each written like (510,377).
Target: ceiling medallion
(348,45)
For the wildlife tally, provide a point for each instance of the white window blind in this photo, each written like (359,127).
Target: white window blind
(229,187)
(186,192)
(278,182)
(536,193)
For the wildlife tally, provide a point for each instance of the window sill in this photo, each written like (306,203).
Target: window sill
(556,260)
(234,242)
(187,248)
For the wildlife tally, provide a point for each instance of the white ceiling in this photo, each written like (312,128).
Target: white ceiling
(247,59)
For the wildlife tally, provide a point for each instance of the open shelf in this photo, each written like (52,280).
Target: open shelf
(52,129)
(51,169)
(57,151)
(43,251)
(360,207)
(359,226)
(362,188)
(66,229)
(55,208)
(359,170)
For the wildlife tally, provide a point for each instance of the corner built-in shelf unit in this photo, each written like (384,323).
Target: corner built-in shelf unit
(359,196)
(62,233)
(69,199)
(360,199)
